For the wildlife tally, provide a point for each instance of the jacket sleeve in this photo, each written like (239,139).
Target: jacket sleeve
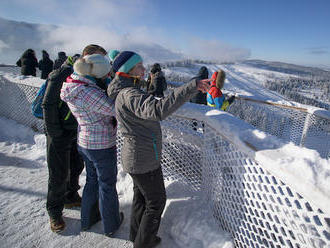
(153,86)
(164,84)
(35,62)
(145,106)
(52,100)
(219,100)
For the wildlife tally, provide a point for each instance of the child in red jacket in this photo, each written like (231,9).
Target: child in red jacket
(215,98)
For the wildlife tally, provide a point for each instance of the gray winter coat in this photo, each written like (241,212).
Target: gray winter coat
(138,114)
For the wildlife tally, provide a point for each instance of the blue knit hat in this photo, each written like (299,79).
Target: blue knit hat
(112,54)
(125,61)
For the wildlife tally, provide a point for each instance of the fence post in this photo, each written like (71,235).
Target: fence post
(305,129)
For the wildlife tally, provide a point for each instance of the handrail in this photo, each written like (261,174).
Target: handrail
(323,113)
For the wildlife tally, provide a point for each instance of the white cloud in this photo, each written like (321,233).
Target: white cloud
(75,38)
(214,50)
(113,24)
(86,12)
(3,45)
(142,40)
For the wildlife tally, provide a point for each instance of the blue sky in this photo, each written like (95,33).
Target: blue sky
(295,31)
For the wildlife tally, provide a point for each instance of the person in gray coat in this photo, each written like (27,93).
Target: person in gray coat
(139,115)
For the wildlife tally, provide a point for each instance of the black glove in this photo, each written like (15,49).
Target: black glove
(231,99)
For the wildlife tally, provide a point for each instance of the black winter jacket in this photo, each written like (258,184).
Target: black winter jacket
(28,63)
(60,60)
(57,115)
(45,65)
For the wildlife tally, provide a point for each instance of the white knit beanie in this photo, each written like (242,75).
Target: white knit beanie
(95,65)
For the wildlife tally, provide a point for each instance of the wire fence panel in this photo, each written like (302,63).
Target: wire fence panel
(15,103)
(301,128)
(256,207)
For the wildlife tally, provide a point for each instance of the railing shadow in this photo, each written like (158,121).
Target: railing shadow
(19,162)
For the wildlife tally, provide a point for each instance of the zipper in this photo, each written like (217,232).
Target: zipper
(155,146)
(68,114)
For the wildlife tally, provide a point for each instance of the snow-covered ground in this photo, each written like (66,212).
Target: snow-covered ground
(25,223)
(241,80)
(247,80)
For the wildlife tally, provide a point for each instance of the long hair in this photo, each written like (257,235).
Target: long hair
(220,81)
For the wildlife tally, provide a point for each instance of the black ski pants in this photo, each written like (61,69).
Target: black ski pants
(64,167)
(148,205)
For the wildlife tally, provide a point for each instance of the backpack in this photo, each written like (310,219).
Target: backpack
(37,102)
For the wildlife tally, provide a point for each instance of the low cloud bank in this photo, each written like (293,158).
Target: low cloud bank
(153,45)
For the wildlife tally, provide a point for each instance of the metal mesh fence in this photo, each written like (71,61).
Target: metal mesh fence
(301,128)
(256,207)
(15,103)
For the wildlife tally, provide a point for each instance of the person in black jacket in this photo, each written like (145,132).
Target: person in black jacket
(60,60)
(28,63)
(64,162)
(156,82)
(200,97)
(45,65)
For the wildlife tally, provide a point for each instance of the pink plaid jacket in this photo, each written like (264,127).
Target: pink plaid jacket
(94,111)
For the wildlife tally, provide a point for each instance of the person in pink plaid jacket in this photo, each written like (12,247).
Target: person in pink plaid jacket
(84,92)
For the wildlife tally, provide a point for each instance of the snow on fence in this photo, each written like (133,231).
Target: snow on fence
(304,127)
(265,192)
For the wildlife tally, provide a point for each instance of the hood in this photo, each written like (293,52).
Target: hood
(218,79)
(45,55)
(203,73)
(214,78)
(155,68)
(61,55)
(72,88)
(121,81)
(29,53)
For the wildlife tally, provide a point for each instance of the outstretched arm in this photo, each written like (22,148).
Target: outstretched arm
(145,106)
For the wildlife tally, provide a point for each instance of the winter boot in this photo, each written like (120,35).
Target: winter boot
(57,225)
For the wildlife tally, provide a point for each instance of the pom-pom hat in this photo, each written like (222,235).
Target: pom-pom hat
(95,65)
(112,54)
